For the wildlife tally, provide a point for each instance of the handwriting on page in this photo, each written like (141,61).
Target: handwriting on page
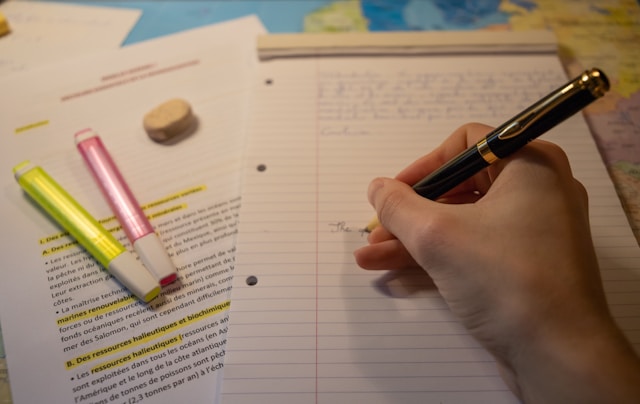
(343,227)
(369,95)
(351,103)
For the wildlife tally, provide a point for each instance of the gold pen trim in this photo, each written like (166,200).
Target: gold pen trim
(592,80)
(595,81)
(485,151)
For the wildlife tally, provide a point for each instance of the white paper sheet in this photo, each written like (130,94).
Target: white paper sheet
(43,32)
(72,333)
(315,328)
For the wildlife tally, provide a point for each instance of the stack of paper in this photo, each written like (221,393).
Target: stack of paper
(67,324)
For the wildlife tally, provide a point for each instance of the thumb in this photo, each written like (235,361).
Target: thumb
(401,211)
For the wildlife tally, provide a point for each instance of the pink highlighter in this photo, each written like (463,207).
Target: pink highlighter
(126,208)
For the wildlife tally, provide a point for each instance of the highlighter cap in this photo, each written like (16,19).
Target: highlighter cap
(155,258)
(130,272)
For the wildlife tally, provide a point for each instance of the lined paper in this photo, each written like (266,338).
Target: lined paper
(307,324)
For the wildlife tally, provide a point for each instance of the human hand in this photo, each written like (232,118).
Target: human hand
(511,253)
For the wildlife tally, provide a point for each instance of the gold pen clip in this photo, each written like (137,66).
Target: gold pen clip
(592,80)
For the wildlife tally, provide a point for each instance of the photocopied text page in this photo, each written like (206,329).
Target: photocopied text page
(307,325)
(45,32)
(72,333)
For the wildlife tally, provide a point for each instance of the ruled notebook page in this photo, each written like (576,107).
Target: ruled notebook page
(307,324)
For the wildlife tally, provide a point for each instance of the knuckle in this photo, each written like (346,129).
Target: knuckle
(556,152)
(583,195)
(553,152)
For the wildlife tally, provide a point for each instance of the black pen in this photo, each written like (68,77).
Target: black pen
(514,134)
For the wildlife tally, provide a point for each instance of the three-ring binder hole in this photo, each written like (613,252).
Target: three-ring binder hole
(261,167)
(252,280)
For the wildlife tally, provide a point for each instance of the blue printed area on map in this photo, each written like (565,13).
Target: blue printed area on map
(418,15)
(160,17)
(453,15)
(385,15)
(527,5)
(277,16)
(163,17)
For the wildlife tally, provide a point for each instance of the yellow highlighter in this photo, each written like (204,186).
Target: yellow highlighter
(97,240)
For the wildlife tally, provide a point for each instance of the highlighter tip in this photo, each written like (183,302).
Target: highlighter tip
(155,292)
(21,166)
(168,279)
(80,132)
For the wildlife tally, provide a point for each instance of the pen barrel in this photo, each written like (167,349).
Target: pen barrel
(113,186)
(516,133)
(450,175)
(68,213)
(559,113)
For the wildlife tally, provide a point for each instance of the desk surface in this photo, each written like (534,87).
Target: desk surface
(602,33)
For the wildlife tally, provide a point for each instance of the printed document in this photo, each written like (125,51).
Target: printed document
(72,333)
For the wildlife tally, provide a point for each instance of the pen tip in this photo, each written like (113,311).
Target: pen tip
(372,225)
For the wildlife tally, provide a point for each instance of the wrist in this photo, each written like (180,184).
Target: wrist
(587,361)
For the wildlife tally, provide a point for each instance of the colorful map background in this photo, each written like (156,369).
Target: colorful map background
(602,33)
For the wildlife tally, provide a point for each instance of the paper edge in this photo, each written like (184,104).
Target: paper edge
(405,43)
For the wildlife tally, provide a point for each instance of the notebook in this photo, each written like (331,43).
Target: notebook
(307,324)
